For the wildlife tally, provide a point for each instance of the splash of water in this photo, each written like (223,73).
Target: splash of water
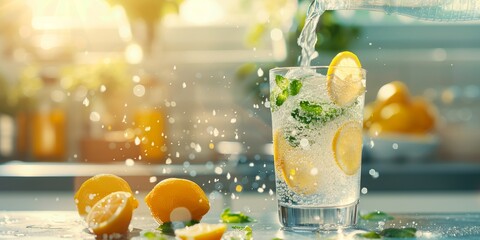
(308,36)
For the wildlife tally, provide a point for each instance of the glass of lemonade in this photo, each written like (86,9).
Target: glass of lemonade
(317,115)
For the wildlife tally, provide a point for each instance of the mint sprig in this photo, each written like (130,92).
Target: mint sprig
(314,113)
(228,216)
(377,216)
(288,87)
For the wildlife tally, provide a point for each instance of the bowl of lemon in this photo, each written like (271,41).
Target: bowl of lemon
(399,126)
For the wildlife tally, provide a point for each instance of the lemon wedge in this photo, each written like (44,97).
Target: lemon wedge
(347,147)
(296,167)
(111,215)
(202,231)
(345,79)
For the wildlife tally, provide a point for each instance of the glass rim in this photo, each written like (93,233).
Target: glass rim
(313,67)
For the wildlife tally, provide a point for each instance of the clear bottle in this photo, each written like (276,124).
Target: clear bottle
(149,118)
(432,10)
(49,122)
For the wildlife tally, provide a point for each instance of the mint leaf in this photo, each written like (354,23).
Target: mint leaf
(314,113)
(311,108)
(295,87)
(282,82)
(169,227)
(234,217)
(377,216)
(154,236)
(399,232)
(371,235)
(281,98)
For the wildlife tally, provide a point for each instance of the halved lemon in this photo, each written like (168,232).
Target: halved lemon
(295,166)
(111,215)
(345,79)
(202,231)
(347,147)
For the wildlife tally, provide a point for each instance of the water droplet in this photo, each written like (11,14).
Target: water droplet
(94,116)
(314,171)
(260,190)
(395,146)
(228,176)
(153,179)
(260,72)
(374,173)
(103,88)
(215,132)
(86,102)
(184,85)
(168,161)
(129,162)
(218,170)
(304,143)
(233,120)
(270,192)
(137,141)
(139,90)
(364,190)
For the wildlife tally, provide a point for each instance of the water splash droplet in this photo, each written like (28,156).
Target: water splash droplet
(129,162)
(86,102)
(153,179)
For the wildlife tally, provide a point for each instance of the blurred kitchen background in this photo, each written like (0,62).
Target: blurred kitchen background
(180,87)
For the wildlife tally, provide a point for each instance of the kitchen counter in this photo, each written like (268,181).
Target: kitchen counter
(436,216)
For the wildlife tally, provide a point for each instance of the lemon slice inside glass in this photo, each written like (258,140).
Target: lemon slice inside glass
(345,79)
(347,147)
(202,231)
(111,215)
(295,166)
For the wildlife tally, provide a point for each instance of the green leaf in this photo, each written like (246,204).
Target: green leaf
(154,236)
(314,113)
(282,82)
(311,108)
(377,216)
(371,235)
(234,217)
(281,98)
(295,87)
(169,227)
(399,232)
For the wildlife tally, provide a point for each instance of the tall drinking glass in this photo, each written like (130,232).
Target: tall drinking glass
(317,137)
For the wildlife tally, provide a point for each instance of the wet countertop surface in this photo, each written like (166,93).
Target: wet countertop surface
(59,220)
(67,225)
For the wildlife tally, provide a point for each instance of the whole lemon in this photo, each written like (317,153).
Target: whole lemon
(176,199)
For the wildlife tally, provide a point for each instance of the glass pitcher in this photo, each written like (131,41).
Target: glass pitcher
(432,10)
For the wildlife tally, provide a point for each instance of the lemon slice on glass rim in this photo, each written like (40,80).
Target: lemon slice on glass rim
(345,79)
(347,147)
